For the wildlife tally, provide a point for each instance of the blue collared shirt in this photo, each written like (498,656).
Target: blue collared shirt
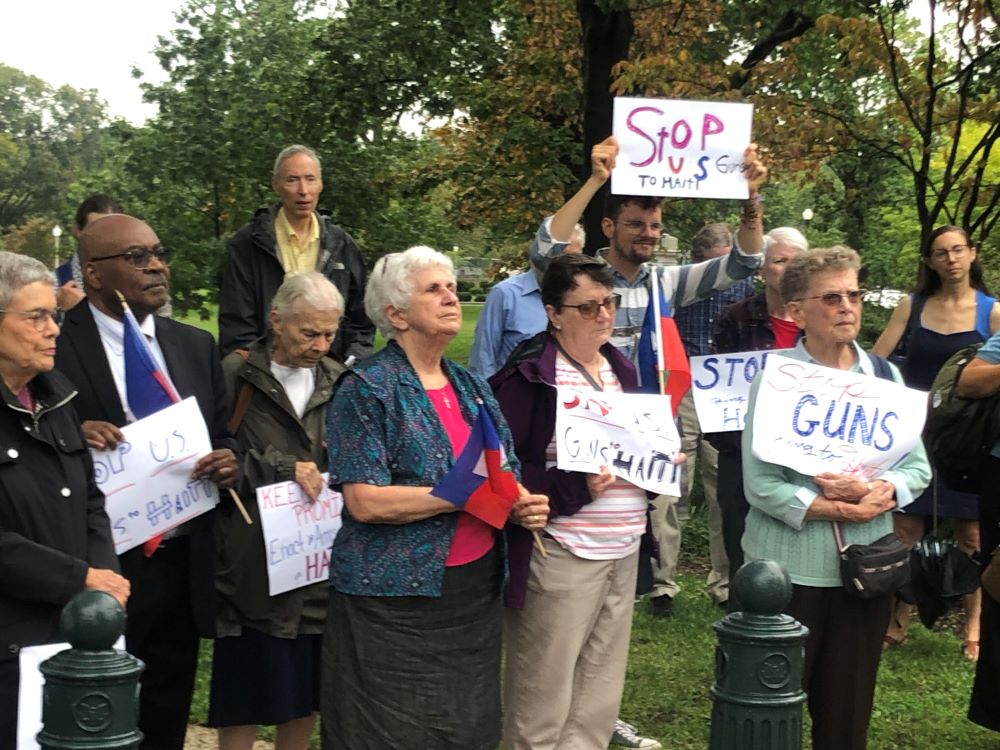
(513,312)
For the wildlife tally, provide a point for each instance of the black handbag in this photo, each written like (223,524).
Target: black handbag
(872,570)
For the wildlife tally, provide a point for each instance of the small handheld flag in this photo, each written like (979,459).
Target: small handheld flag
(481,482)
(147,387)
(661,361)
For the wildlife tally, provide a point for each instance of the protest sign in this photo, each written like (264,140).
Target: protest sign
(298,534)
(816,419)
(632,434)
(146,480)
(671,147)
(720,384)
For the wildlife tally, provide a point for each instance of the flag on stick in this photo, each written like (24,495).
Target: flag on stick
(147,387)
(661,361)
(481,482)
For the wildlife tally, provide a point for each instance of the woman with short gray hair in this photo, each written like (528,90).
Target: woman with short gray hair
(266,661)
(411,654)
(55,538)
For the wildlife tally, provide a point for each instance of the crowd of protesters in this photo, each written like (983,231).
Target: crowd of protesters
(402,646)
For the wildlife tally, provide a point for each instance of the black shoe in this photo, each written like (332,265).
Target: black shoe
(661,606)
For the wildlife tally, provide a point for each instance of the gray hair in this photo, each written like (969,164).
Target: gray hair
(288,152)
(17,271)
(801,269)
(787,236)
(391,284)
(579,233)
(312,289)
(708,237)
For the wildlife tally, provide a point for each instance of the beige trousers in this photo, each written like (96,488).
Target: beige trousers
(567,651)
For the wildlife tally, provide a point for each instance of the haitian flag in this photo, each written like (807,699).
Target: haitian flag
(147,387)
(481,482)
(661,362)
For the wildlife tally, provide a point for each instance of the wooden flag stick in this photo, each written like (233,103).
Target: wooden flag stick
(242,508)
(538,543)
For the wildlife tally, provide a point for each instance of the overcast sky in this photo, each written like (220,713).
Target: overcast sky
(95,45)
(88,45)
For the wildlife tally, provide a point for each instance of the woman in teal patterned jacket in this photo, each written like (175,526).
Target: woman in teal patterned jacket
(412,644)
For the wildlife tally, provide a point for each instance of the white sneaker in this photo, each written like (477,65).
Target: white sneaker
(626,735)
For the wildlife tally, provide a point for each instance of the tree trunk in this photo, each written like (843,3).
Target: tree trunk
(606,37)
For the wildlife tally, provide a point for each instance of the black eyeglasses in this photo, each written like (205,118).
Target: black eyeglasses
(40,318)
(637,225)
(139,256)
(588,310)
(832,299)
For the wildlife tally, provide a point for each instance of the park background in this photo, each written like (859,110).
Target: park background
(460,123)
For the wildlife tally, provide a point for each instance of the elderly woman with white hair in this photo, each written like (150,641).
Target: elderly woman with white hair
(411,656)
(55,538)
(266,662)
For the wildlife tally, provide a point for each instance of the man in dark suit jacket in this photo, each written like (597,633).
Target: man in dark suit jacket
(173,589)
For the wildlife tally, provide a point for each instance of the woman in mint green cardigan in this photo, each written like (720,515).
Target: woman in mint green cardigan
(790,513)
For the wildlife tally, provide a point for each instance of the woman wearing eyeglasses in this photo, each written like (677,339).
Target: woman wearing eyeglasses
(55,538)
(791,513)
(949,309)
(569,613)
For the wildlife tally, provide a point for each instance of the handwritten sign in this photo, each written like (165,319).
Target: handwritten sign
(720,384)
(814,419)
(298,534)
(680,148)
(146,480)
(632,434)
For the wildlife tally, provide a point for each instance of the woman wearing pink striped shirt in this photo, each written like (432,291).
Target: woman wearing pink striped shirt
(569,613)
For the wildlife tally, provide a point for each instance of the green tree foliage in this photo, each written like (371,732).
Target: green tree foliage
(48,137)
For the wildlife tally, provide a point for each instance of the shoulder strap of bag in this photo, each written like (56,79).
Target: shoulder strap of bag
(881,367)
(242,399)
(838,538)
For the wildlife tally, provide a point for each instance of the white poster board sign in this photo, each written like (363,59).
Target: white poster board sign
(632,434)
(298,534)
(720,385)
(672,147)
(29,694)
(816,419)
(146,480)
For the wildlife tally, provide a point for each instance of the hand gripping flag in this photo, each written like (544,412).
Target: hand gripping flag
(481,482)
(147,387)
(661,361)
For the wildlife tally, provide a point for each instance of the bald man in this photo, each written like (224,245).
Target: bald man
(173,589)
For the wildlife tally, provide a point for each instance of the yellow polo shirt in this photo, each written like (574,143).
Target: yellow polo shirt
(296,253)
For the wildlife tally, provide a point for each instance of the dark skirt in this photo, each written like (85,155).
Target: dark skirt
(416,672)
(950,503)
(261,679)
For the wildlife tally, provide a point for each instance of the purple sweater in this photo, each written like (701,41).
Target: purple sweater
(525,389)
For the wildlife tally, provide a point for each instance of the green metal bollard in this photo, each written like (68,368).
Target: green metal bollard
(757,696)
(91,696)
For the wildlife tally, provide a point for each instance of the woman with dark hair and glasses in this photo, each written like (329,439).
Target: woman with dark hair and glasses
(791,514)
(570,611)
(949,309)
(55,538)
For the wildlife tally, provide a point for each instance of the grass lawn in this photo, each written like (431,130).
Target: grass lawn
(923,686)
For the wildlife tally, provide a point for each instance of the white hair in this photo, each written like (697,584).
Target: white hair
(579,234)
(17,271)
(312,289)
(786,235)
(288,152)
(391,282)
